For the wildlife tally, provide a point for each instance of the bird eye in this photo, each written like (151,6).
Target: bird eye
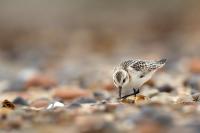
(124,80)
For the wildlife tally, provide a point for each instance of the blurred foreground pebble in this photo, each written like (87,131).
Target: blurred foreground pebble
(87,103)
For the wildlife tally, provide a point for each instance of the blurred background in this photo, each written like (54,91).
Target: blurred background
(69,39)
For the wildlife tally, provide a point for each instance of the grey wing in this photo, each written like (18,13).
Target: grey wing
(127,63)
(144,67)
(140,66)
(153,65)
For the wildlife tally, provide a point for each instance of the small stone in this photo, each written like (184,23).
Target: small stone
(149,92)
(101,95)
(140,99)
(111,106)
(74,106)
(84,100)
(193,83)
(4,112)
(69,94)
(129,100)
(95,123)
(41,80)
(163,98)
(20,101)
(15,122)
(109,87)
(8,104)
(40,103)
(194,65)
(151,120)
(185,100)
(196,97)
(166,88)
(55,104)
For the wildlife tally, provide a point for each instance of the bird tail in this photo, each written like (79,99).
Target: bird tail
(162,61)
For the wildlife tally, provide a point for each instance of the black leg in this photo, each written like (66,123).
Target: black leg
(127,95)
(136,91)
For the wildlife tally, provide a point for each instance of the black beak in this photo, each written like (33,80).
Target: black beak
(120,89)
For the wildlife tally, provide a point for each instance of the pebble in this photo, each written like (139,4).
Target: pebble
(166,88)
(101,95)
(41,80)
(138,100)
(15,122)
(164,98)
(194,65)
(154,115)
(196,97)
(109,86)
(193,83)
(141,99)
(149,92)
(185,99)
(95,123)
(54,105)
(84,100)
(4,112)
(69,94)
(74,106)
(40,103)
(8,104)
(20,101)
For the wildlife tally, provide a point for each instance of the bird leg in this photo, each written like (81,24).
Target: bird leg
(136,91)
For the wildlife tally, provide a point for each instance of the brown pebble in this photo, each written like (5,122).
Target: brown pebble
(111,106)
(8,104)
(69,94)
(94,124)
(150,127)
(139,99)
(194,65)
(109,87)
(129,100)
(196,97)
(15,123)
(4,112)
(40,103)
(41,80)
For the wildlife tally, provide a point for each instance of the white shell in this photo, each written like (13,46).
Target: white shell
(55,104)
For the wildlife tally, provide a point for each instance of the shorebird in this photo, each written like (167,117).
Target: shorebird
(132,74)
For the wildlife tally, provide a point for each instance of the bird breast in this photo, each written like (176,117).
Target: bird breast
(136,81)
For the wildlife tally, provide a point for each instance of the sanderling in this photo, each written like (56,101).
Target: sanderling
(132,74)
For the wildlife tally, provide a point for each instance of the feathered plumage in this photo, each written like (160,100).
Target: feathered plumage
(134,73)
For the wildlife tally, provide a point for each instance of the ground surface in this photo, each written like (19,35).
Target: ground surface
(169,102)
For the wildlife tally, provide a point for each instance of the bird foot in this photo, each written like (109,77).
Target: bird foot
(136,91)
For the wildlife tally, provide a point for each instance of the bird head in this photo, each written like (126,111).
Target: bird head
(120,78)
